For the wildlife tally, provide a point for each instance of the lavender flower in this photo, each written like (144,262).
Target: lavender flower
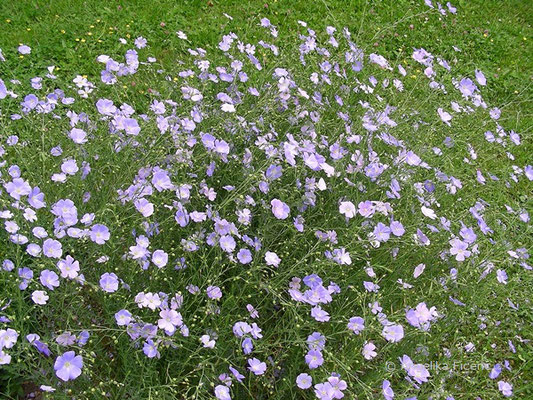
(393,333)
(280,209)
(68,366)
(256,366)
(49,279)
(304,381)
(109,282)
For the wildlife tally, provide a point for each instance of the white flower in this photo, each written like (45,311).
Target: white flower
(39,297)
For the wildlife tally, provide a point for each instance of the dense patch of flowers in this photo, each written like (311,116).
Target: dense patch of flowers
(311,174)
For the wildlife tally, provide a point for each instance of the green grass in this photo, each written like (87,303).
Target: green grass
(494,36)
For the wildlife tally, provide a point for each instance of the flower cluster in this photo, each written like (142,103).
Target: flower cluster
(253,188)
